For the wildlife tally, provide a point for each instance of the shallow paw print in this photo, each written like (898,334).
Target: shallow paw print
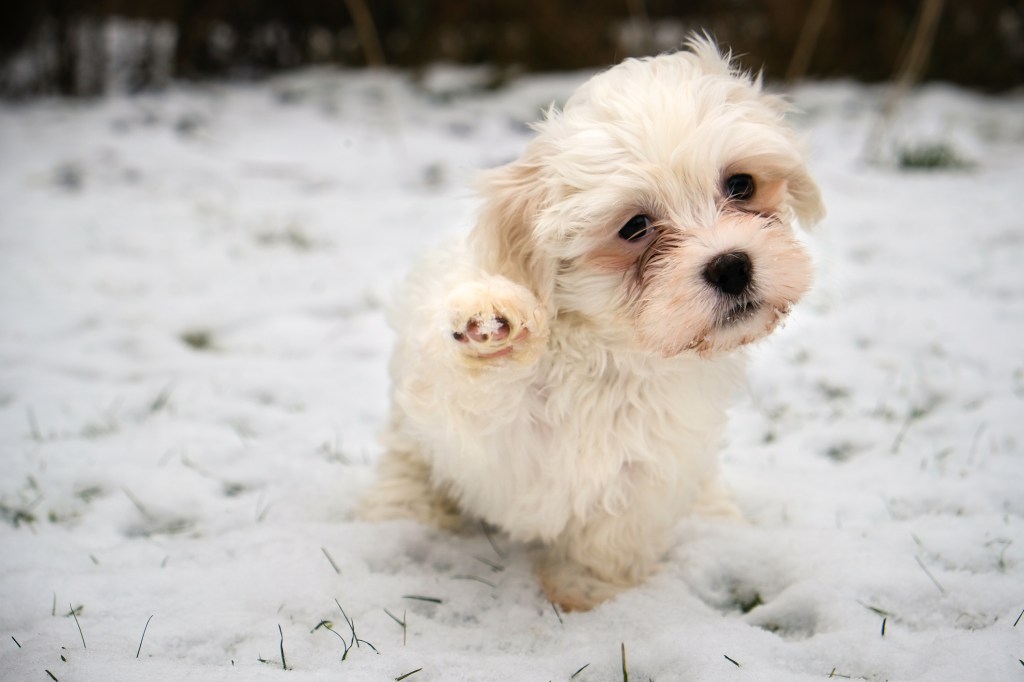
(785,611)
(789,615)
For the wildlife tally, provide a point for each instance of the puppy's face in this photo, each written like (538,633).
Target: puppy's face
(658,207)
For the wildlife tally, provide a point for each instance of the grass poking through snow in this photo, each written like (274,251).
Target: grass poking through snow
(581,669)
(930,576)
(330,560)
(554,607)
(355,641)
(403,623)
(931,156)
(139,651)
(75,616)
(475,579)
(198,339)
(284,663)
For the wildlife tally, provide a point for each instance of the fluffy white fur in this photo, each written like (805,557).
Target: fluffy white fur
(568,385)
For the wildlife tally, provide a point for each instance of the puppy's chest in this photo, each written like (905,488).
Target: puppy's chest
(623,409)
(585,427)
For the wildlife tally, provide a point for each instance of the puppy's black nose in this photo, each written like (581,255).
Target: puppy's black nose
(729,273)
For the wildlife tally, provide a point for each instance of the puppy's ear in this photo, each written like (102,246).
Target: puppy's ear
(506,239)
(805,198)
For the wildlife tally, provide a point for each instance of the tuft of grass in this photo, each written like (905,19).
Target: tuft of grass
(841,452)
(233,489)
(833,392)
(916,413)
(334,451)
(16,515)
(746,601)
(198,339)
(930,156)
(69,176)
(353,642)
(292,236)
(88,494)
(160,401)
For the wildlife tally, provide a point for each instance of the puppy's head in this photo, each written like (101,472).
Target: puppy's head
(657,207)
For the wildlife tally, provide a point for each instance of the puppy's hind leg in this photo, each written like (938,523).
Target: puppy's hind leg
(404,490)
(716,501)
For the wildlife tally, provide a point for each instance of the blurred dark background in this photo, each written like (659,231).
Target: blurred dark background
(88,47)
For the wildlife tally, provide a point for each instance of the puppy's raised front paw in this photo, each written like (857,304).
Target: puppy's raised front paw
(496,318)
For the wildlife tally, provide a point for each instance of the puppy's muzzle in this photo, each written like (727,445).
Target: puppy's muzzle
(730,273)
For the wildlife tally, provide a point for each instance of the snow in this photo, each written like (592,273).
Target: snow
(193,369)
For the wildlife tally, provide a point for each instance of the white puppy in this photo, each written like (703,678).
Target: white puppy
(564,375)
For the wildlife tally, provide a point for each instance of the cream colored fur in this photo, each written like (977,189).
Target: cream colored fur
(567,385)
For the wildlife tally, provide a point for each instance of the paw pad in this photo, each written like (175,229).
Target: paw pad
(495,328)
(494,319)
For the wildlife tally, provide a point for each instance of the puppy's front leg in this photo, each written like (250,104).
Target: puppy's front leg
(464,359)
(592,562)
(609,550)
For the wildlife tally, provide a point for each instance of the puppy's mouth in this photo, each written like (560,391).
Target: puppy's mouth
(739,312)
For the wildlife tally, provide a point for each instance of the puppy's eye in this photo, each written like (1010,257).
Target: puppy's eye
(739,187)
(638,227)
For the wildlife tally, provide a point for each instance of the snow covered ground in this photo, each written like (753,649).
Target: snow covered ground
(192,371)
